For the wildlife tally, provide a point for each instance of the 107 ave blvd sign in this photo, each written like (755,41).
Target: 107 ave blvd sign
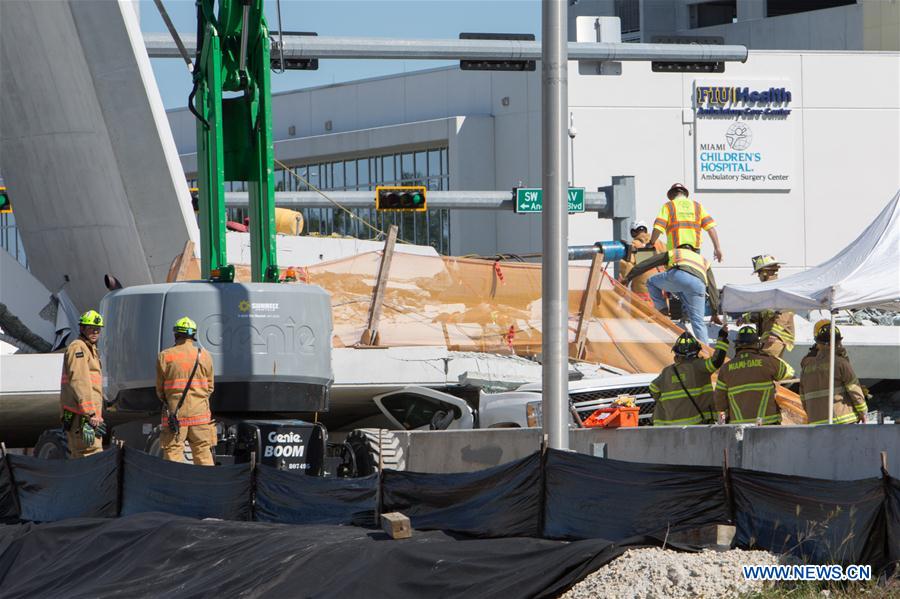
(530,200)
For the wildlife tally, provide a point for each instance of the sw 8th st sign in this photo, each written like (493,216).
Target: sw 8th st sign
(530,200)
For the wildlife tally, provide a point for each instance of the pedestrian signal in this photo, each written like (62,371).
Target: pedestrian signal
(5,204)
(408,198)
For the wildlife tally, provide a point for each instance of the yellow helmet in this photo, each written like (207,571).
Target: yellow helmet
(91,318)
(822,331)
(764,261)
(185,325)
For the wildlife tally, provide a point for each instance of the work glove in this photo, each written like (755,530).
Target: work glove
(100,429)
(723,332)
(87,433)
(67,419)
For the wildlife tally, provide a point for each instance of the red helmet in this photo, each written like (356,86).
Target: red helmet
(677,187)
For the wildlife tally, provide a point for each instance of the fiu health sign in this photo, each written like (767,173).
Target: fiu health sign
(744,135)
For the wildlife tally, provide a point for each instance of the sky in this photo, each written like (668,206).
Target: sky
(402,19)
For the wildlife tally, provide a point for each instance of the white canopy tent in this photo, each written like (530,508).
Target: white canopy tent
(865,273)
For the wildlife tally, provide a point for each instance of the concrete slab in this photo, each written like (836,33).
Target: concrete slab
(88,155)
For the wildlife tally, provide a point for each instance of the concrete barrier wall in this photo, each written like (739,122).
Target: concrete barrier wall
(839,452)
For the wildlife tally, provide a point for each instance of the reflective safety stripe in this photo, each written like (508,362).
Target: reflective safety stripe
(773,419)
(96,378)
(690,261)
(680,394)
(784,334)
(845,419)
(180,383)
(191,420)
(696,419)
(750,387)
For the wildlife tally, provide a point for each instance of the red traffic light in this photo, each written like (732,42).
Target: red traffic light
(407,198)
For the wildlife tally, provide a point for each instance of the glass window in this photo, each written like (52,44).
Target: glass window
(362,173)
(407,169)
(445,165)
(350,174)
(337,175)
(434,163)
(421,165)
(387,172)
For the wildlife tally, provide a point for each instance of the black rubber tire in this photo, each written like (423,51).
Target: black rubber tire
(52,445)
(372,447)
(154,450)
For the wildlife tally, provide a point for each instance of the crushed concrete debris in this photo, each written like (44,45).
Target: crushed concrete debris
(654,573)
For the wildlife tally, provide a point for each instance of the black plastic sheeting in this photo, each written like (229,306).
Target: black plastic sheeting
(559,495)
(819,521)
(892,505)
(590,497)
(9,510)
(503,501)
(158,555)
(51,490)
(150,484)
(295,498)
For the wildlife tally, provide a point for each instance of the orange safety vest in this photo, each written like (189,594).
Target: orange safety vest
(689,261)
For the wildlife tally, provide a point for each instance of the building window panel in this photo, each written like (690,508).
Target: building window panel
(407,169)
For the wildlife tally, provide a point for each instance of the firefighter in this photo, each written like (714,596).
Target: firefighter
(849,398)
(640,239)
(683,220)
(776,327)
(688,275)
(81,389)
(745,390)
(184,382)
(683,390)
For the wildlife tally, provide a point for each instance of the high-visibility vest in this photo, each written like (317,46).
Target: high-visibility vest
(689,261)
(683,220)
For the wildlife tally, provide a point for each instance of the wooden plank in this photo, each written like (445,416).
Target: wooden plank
(588,302)
(396,525)
(370,335)
(181,264)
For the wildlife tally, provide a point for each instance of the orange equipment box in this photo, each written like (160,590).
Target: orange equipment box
(618,416)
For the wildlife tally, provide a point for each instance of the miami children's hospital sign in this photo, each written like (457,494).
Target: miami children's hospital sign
(743,135)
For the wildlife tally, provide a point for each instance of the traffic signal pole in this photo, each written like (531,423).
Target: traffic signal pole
(554,227)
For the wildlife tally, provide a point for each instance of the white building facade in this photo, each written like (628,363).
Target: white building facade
(792,152)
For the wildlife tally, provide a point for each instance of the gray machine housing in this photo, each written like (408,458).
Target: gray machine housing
(270,343)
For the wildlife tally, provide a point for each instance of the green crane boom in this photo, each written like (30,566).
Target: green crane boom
(234,134)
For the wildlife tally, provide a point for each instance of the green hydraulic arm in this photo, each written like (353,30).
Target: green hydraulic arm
(234,133)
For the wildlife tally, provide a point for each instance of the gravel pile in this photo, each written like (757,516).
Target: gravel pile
(654,573)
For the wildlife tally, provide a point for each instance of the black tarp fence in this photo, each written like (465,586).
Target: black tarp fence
(503,501)
(555,495)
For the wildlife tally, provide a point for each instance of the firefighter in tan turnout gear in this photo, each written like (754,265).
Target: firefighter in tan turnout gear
(683,391)
(745,389)
(776,327)
(184,382)
(849,399)
(81,389)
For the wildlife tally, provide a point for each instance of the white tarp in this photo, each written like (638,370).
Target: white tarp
(865,273)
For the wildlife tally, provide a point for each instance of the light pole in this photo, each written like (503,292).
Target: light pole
(554,232)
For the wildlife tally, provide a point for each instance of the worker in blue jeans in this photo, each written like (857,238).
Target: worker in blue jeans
(689,276)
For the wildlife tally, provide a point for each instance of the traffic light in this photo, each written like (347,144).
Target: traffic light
(688,67)
(497,65)
(406,198)
(195,199)
(291,64)
(5,204)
